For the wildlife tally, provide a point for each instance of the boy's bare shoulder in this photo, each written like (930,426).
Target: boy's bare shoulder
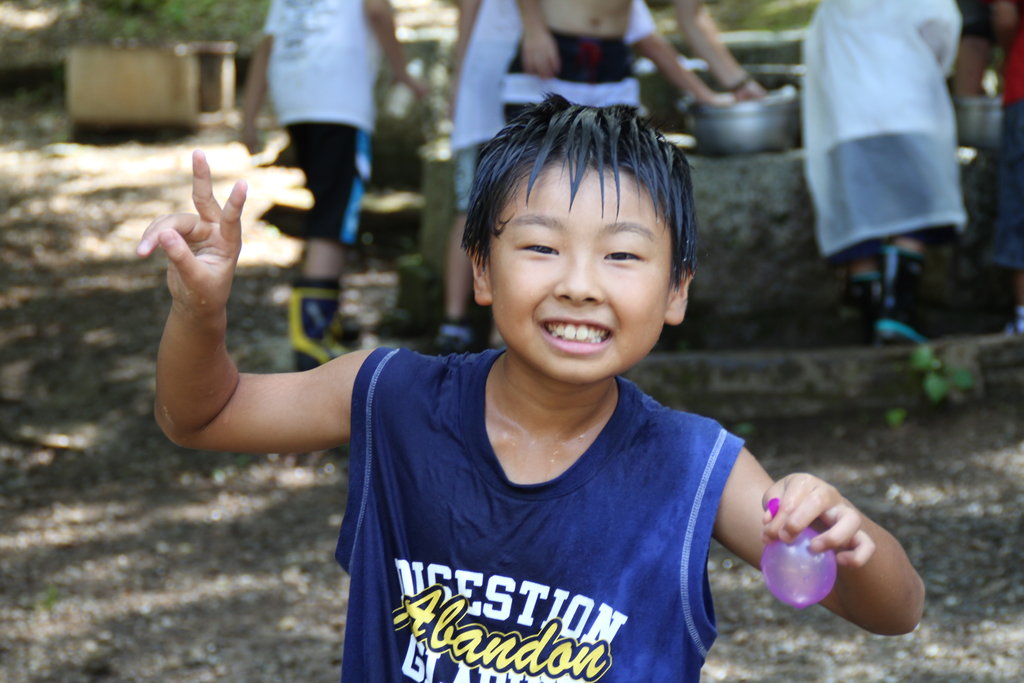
(343,370)
(329,385)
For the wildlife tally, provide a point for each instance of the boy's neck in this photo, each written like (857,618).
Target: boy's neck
(538,431)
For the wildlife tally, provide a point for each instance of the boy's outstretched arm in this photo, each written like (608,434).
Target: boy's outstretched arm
(665,57)
(202,401)
(876,586)
(380,16)
(255,92)
(704,40)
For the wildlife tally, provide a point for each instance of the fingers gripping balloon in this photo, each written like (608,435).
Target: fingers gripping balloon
(793,572)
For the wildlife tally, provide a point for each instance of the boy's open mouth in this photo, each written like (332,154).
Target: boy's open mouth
(577,333)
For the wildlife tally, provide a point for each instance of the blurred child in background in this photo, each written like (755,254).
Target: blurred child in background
(320,59)
(880,149)
(1009,239)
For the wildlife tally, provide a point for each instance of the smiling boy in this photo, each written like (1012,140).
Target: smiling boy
(525,515)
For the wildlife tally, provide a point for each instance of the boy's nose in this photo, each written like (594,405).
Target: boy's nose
(579,282)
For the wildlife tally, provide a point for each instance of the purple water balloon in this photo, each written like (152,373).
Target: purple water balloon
(794,573)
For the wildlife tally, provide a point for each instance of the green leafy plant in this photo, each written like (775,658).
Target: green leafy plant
(938,380)
(775,15)
(49,599)
(895,417)
(161,22)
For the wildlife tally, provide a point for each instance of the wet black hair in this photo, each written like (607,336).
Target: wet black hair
(603,139)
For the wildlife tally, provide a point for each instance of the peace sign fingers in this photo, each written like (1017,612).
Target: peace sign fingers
(202,249)
(221,226)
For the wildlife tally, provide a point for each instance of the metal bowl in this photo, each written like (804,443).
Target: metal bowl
(979,121)
(771,124)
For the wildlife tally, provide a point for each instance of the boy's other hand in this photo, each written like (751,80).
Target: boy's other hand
(202,249)
(807,501)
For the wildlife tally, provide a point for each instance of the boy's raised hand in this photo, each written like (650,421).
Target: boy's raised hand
(202,249)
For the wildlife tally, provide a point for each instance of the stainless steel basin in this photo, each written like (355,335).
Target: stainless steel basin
(765,125)
(979,121)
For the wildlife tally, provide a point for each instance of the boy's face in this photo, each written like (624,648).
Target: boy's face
(581,295)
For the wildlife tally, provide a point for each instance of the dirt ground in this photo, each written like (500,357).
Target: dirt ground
(125,558)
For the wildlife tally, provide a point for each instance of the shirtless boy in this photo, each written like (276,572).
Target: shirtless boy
(577,50)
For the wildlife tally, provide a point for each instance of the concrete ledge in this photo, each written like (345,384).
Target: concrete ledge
(743,385)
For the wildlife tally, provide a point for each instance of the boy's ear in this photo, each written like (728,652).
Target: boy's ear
(677,299)
(482,293)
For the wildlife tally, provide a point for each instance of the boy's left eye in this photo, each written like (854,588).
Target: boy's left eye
(622,256)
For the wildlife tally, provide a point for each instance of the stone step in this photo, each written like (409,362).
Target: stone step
(744,385)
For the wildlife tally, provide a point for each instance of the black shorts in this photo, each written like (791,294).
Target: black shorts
(583,60)
(587,60)
(977,19)
(336,161)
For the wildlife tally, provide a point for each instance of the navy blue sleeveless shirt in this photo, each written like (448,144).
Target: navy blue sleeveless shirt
(460,576)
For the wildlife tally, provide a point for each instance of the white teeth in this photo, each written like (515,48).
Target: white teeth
(580,333)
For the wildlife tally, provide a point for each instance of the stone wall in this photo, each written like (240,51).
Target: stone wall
(760,280)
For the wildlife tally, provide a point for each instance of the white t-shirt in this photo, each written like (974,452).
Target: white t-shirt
(877,69)
(479,112)
(324,62)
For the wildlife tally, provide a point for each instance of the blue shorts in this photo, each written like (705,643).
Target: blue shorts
(1008,246)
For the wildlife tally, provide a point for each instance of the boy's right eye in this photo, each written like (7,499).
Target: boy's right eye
(541,249)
